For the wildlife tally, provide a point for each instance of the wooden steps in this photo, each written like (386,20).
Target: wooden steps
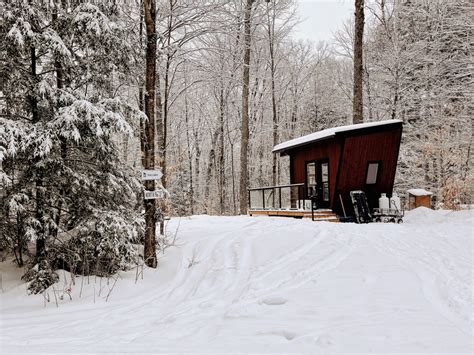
(319,215)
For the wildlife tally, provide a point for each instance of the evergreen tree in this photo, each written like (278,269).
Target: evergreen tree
(62,175)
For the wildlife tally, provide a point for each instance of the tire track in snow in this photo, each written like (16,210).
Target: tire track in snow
(124,312)
(234,292)
(432,271)
(182,298)
(304,273)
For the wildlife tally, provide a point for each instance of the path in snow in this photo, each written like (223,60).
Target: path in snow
(270,284)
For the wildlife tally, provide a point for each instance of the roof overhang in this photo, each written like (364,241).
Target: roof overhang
(330,133)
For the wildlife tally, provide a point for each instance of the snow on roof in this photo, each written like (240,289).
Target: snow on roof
(327,133)
(419,192)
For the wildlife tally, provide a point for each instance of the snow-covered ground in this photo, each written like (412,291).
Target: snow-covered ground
(261,284)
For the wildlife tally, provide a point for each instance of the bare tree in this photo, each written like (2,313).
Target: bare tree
(245,109)
(357,104)
(149,128)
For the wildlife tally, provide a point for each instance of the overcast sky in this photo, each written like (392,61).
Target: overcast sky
(321,18)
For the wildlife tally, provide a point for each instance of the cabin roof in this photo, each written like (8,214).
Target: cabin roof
(328,133)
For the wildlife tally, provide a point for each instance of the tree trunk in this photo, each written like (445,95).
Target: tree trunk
(271,47)
(211,162)
(221,158)
(197,168)
(141,107)
(140,97)
(357,104)
(161,142)
(393,114)
(165,122)
(39,193)
(369,93)
(20,240)
(232,166)
(60,85)
(188,144)
(149,127)
(166,93)
(245,110)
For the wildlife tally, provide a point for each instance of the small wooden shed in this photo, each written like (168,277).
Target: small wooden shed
(335,161)
(419,198)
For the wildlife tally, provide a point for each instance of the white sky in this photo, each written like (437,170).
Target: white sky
(321,18)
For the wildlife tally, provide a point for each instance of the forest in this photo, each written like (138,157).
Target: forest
(92,92)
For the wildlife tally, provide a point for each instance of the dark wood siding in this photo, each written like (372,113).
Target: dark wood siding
(359,150)
(328,149)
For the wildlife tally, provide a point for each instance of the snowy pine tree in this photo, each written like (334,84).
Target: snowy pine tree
(64,186)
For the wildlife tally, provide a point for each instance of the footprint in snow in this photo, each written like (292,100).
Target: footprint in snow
(274,301)
(206,304)
(368,279)
(324,340)
(283,333)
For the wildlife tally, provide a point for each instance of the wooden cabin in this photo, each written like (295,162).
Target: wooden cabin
(329,164)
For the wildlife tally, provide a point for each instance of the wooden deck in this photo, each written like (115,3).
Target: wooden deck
(319,215)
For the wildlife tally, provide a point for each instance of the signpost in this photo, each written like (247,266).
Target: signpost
(152,195)
(151,174)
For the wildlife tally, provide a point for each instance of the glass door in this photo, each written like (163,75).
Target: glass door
(317,182)
(322,181)
(311,179)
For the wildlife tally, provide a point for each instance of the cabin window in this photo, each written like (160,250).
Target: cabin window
(325,181)
(311,178)
(372,173)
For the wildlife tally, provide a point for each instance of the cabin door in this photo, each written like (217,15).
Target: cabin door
(322,178)
(317,182)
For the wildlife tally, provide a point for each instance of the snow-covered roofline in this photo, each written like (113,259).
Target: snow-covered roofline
(327,133)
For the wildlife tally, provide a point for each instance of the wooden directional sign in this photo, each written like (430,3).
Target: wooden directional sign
(151,174)
(152,195)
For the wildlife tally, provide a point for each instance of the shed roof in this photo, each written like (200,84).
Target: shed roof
(419,192)
(328,133)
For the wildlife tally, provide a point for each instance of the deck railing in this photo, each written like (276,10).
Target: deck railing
(290,196)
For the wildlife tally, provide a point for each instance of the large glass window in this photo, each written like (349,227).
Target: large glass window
(372,173)
(311,178)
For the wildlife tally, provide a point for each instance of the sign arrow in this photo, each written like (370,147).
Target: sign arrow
(151,174)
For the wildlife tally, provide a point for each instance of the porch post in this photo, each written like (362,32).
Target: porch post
(249,203)
(279,193)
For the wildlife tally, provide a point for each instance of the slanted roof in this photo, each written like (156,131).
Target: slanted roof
(328,133)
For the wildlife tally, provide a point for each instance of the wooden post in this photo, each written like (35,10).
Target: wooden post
(279,190)
(249,202)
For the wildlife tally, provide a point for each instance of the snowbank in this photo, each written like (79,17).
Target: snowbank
(260,284)
(425,216)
